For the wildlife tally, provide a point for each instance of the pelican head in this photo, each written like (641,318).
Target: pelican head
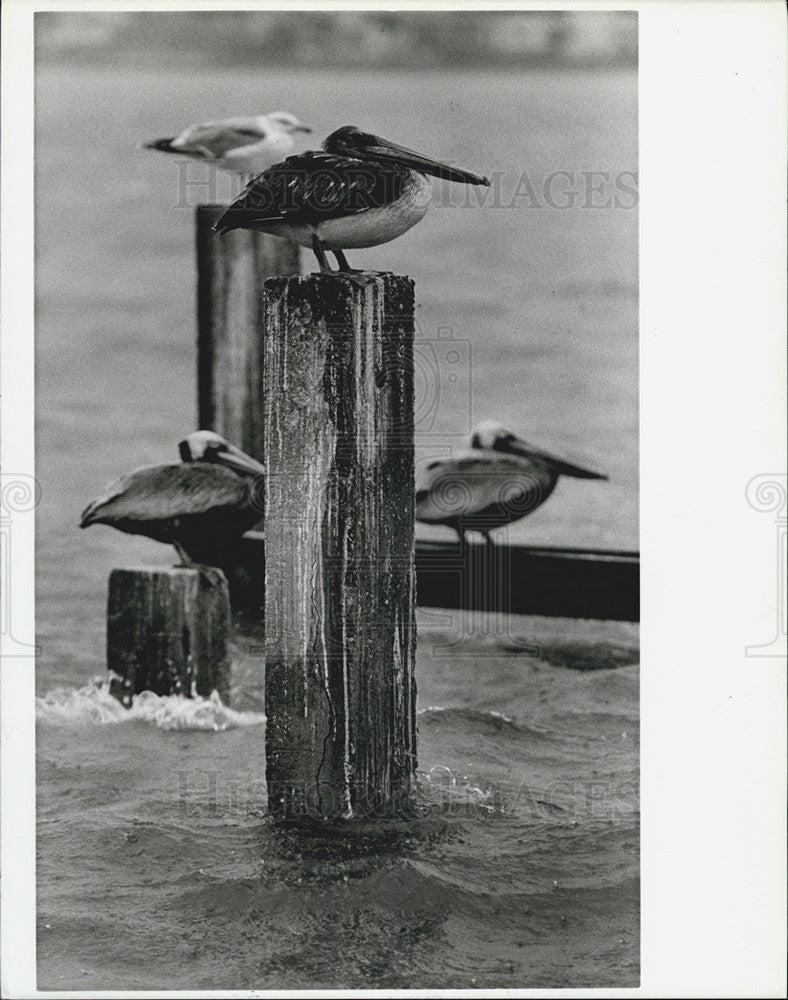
(489,435)
(492,436)
(286,122)
(351,141)
(208,446)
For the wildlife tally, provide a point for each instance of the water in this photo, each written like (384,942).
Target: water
(156,867)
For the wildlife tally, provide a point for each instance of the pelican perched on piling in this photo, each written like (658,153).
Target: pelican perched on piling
(245,145)
(498,479)
(359,192)
(200,507)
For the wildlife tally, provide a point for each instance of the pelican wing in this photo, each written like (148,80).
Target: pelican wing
(478,482)
(161,492)
(312,188)
(212,140)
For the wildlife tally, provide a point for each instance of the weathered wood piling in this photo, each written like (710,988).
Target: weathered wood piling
(168,632)
(231,272)
(339,545)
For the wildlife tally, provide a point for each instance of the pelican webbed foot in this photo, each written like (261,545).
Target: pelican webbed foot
(342,261)
(354,274)
(347,270)
(212,576)
(359,278)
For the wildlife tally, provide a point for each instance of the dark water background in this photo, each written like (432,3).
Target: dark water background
(156,867)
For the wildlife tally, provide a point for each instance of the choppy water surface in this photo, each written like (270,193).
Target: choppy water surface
(156,865)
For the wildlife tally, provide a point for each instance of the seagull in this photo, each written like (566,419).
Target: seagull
(361,191)
(498,479)
(241,145)
(201,506)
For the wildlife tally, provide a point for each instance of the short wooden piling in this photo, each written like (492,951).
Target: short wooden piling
(168,632)
(339,547)
(231,271)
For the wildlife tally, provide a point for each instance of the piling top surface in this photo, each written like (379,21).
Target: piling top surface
(322,279)
(187,571)
(330,295)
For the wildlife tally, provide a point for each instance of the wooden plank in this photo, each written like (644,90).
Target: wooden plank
(167,632)
(231,271)
(556,582)
(339,574)
(514,579)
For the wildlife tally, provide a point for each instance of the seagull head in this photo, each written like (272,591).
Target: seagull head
(351,141)
(208,446)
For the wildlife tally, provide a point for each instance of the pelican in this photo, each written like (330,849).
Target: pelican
(499,479)
(239,145)
(359,192)
(200,507)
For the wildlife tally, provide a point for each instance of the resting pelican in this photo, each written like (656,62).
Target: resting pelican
(200,507)
(499,479)
(359,192)
(240,145)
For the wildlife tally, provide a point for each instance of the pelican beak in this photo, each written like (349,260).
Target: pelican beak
(302,128)
(239,461)
(519,447)
(382,149)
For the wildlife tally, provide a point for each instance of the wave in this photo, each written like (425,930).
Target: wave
(94,705)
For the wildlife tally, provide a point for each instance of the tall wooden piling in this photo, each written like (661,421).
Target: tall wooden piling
(339,545)
(231,271)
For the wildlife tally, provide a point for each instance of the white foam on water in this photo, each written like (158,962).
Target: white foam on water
(94,705)
(439,785)
(472,713)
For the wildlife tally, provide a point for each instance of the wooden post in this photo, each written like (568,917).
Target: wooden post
(339,546)
(231,270)
(167,632)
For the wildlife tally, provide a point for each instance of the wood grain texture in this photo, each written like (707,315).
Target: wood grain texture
(168,632)
(340,582)
(231,271)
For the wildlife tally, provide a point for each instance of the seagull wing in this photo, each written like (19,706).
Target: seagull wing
(312,188)
(212,140)
(160,492)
